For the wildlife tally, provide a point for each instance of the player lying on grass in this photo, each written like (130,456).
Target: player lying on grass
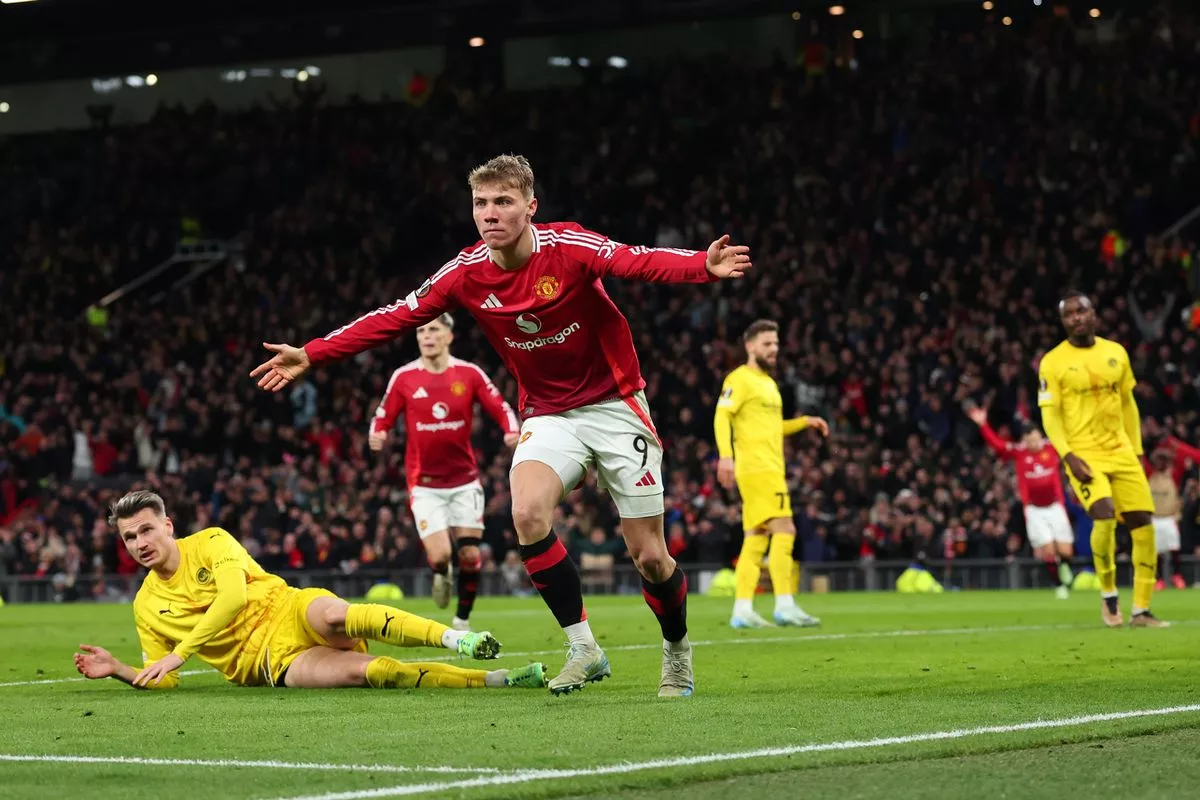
(205,596)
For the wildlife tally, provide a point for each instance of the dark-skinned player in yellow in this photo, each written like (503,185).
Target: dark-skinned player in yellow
(1085,391)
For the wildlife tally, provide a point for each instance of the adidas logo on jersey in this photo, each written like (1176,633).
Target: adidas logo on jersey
(647,480)
(420,393)
(491,302)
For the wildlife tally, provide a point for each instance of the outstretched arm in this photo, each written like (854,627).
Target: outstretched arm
(95,662)
(605,257)
(372,329)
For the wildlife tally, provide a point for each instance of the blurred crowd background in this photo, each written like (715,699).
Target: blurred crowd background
(913,216)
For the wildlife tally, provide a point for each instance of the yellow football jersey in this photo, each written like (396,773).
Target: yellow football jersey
(1086,384)
(166,611)
(749,424)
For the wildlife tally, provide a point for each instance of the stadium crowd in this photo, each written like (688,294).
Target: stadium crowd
(914,258)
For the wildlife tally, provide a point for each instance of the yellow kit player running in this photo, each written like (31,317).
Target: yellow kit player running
(1088,411)
(749,420)
(205,596)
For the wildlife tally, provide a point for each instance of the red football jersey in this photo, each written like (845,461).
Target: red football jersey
(438,410)
(1038,478)
(551,321)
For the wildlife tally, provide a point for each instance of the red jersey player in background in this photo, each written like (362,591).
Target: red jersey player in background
(437,394)
(1040,486)
(536,291)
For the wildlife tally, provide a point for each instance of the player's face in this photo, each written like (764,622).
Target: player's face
(501,214)
(764,349)
(1078,317)
(148,537)
(434,339)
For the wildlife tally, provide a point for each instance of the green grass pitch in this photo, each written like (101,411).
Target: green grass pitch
(980,694)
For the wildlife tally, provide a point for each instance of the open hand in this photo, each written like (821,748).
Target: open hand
(977,415)
(725,261)
(95,662)
(288,364)
(154,673)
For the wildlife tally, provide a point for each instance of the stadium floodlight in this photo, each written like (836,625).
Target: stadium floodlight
(584,62)
(558,61)
(1037,3)
(151,79)
(14,2)
(1007,20)
(302,75)
(135,81)
(476,41)
(988,5)
(795,16)
(314,72)
(837,11)
(1094,13)
(618,62)
(857,34)
(105,85)
(4,107)
(288,73)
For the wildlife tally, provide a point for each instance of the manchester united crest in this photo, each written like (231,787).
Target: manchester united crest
(546,287)
(458,388)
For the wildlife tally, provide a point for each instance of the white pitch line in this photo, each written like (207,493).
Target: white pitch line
(529,776)
(815,637)
(81,680)
(798,638)
(224,762)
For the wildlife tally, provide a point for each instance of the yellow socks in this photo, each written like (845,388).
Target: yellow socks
(1144,561)
(780,564)
(749,566)
(391,625)
(1104,546)
(385,672)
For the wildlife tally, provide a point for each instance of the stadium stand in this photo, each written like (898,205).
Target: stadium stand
(914,260)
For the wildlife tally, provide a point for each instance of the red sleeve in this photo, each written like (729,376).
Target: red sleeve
(389,407)
(604,257)
(494,403)
(433,298)
(1185,450)
(1002,447)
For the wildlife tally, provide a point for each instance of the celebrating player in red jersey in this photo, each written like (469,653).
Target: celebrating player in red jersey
(437,394)
(537,293)
(1040,485)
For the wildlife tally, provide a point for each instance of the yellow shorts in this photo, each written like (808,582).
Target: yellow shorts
(764,497)
(283,634)
(1114,475)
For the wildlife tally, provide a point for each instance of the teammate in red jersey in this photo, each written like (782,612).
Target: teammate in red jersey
(1040,485)
(437,394)
(537,292)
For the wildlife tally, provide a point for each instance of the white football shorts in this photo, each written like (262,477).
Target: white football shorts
(436,510)
(1166,534)
(617,437)
(1048,525)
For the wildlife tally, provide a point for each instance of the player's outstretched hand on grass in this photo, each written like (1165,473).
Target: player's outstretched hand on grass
(154,673)
(95,662)
(727,261)
(725,475)
(288,364)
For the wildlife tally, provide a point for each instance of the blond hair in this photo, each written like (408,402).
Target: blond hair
(509,171)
